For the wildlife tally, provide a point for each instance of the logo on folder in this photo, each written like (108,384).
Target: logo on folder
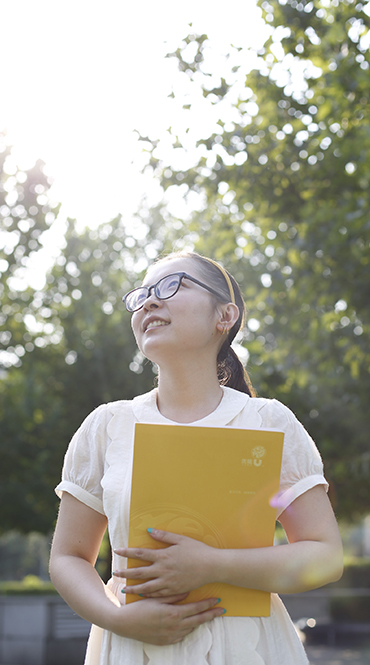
(257,454)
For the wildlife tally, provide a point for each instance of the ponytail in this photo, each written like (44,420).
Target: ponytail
(231,373)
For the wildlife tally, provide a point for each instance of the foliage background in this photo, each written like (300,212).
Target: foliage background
(279,194)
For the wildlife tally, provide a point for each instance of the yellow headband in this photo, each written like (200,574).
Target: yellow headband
(227,278)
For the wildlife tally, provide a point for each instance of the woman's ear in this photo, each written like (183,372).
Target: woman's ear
(228,316)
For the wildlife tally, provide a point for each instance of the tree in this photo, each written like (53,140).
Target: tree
(285,186)
(66,349)
(25,214)
(278,192)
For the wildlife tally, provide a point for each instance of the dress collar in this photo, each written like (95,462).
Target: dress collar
(232,403)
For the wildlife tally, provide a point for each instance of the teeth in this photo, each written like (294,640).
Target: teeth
(154,324)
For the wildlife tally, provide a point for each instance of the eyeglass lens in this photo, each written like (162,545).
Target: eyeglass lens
(165,288)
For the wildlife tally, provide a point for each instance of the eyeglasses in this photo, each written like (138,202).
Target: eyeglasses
(165,288)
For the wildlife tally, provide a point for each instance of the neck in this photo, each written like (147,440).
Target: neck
(188,393)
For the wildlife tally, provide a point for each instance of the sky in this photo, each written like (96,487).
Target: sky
(79,77)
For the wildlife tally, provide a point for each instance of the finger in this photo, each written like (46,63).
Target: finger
(165,600)
(201,606)
(119,573)
(155,591)
(205,615)
(143,554)
(197,619)
(142,573)
(165,536)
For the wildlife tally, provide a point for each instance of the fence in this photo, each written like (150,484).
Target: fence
(43,630)
(40,630)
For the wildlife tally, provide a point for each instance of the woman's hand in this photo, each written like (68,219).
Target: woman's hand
(159,621)
(75,548)
(179,568)
(313,556)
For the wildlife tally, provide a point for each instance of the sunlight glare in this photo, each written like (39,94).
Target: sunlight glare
(75,95)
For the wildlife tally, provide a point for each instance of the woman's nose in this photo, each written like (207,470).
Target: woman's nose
(152,302)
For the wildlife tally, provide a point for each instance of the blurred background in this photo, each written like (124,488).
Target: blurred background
(238,131)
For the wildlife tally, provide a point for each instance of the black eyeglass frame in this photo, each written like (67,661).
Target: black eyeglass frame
(182,275)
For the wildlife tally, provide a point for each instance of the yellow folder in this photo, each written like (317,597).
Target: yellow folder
(212,484)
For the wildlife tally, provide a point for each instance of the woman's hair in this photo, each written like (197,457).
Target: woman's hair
(230,370)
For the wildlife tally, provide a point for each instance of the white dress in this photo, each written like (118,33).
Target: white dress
(97,471)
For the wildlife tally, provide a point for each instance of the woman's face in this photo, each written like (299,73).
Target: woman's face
(185,323)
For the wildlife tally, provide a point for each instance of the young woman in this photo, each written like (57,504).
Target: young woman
(184,319)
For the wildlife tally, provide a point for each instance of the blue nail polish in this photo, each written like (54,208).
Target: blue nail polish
(150,530)
(123,590)
(224,612)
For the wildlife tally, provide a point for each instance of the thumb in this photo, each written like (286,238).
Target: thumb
(164,536)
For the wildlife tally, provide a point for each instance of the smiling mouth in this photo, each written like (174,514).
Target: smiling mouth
(156,324)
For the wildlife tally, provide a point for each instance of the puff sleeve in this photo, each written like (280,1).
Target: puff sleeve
(302,466)
(83,466)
